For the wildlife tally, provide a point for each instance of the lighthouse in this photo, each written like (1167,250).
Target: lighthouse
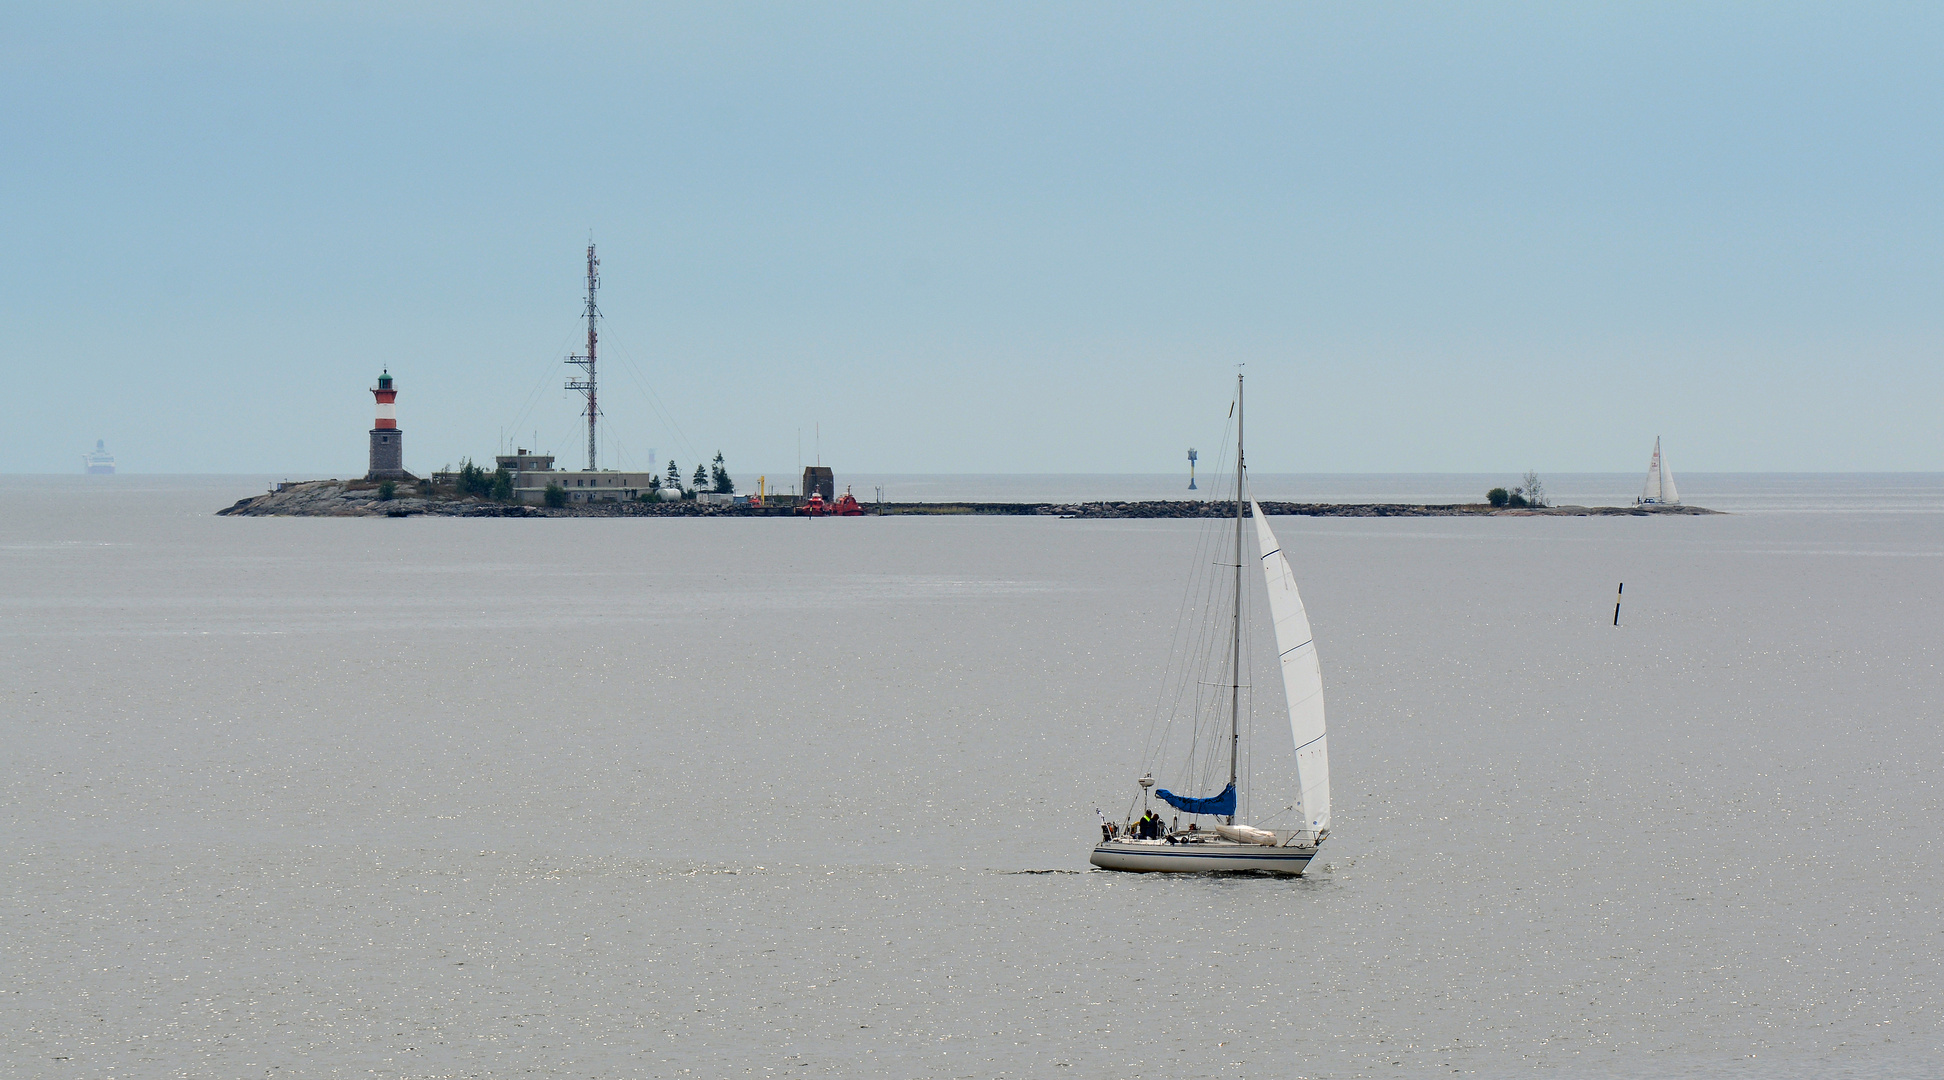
(387,442)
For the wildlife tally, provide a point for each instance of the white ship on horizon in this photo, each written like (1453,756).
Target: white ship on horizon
(100,462)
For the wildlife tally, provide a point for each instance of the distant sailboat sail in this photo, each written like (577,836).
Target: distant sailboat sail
(1302,678)
(1659,490)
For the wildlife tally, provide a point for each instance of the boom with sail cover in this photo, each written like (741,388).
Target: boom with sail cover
(1302,678)
(1223,804)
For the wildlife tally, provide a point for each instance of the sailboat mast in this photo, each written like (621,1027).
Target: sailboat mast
(1235,641)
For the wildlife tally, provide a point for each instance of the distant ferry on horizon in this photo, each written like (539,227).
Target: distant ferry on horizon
(100,462)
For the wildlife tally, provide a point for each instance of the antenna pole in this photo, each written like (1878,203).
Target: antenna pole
(587,385)
(1235,643)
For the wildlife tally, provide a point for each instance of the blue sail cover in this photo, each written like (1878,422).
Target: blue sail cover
(1223,804)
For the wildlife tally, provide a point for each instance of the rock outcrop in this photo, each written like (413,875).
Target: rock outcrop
(358,498)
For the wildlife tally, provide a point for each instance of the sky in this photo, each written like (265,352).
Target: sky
(976,238)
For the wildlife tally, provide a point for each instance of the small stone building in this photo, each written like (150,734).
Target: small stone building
(819,480)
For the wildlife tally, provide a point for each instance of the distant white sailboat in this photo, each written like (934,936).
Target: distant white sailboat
(1660,489)
(1147,844)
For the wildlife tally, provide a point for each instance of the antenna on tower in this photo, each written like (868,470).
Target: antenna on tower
(586,386)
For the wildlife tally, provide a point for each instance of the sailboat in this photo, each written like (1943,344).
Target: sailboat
(1660,482)
(1147,844)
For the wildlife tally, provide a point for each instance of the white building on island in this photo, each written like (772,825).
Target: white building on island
(532,472)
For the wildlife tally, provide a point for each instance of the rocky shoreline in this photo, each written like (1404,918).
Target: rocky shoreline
(358,498)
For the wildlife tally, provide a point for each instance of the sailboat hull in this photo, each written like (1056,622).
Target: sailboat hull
(1161,857)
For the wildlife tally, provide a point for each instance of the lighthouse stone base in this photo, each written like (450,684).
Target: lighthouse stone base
(388,455)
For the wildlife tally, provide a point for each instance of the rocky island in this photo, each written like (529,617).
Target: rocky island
(364,498)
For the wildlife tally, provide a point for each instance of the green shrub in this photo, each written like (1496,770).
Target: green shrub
(1518,499)
(1498,496)
(555,495)
(502,488)
(474,480)
(387,491)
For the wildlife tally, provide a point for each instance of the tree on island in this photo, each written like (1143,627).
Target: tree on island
(473,480)
(723,485)
(701,477)
(1535,493)
(555,495)
(1498,496)
(674,476)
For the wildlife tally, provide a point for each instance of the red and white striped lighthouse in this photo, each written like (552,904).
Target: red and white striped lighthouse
(387,442)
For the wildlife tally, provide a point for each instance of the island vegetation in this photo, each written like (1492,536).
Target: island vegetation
(1531,493)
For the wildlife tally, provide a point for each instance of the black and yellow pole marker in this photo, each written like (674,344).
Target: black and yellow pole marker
(1616,602)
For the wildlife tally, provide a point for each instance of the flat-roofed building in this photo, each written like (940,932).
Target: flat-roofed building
(520,461)
(587,485)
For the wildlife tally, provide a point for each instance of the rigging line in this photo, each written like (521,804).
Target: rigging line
(520,414)
(533,397)
(1215,601)
(1185,622)
(668,419)
(1198,670)
(634,371)
(1189,667)
(618,350)
(620,448)
(1193,674)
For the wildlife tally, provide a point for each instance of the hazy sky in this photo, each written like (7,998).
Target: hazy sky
(1006,238)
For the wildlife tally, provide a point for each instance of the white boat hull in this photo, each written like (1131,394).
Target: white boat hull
(1161,857)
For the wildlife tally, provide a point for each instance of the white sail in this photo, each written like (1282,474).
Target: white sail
(1652,492)
(1668,494)
(1302,678)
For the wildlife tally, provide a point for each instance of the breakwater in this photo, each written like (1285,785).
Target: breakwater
(341,498)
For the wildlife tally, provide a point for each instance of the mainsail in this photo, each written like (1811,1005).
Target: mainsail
(1302,678)
(1660,481)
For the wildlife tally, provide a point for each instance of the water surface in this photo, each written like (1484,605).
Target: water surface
(665,797)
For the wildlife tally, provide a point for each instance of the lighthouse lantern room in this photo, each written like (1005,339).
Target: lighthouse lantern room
(387,442)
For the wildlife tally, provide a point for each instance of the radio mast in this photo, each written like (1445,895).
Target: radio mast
(586,386)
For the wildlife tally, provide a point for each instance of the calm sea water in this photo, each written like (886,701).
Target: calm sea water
(616,798)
